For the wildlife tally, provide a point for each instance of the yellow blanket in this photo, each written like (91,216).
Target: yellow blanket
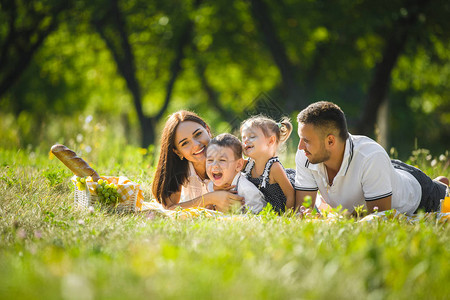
(154,206)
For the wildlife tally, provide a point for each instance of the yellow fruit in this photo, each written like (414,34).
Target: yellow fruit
(446,205)
(80,186)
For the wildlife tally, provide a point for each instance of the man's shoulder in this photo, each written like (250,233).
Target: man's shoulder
(365,148)
(300,159)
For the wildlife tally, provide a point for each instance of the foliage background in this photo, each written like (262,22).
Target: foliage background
(129,64)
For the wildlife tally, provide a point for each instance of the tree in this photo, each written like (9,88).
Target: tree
(288,71)
(112,27)
(26,24)
(397,34)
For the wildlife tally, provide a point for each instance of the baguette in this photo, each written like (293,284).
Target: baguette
(76,164)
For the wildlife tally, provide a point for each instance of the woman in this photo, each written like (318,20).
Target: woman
(180,178)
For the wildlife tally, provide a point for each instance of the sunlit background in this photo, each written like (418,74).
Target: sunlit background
(95,73)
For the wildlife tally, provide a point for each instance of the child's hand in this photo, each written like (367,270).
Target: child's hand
(226,201)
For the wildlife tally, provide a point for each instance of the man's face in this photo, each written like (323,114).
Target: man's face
(312,143)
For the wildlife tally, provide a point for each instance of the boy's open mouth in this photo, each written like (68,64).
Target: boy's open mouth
(217,176)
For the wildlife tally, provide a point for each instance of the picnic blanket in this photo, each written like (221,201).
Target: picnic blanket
(393,214)
(194,212)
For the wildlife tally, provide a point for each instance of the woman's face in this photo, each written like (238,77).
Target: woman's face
(191,139)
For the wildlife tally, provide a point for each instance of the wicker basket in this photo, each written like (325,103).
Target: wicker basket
(84,199)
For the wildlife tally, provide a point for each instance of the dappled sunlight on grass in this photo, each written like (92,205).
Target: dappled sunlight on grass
(52,249)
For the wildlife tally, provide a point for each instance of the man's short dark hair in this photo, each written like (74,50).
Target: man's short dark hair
(326,116)
(230,141)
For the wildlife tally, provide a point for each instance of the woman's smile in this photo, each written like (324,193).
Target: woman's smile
(201,151)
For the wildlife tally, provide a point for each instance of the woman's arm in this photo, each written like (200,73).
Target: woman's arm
(223,200)
(279,176)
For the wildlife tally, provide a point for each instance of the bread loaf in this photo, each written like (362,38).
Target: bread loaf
(76,164)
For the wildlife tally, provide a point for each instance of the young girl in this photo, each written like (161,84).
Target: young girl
(261,138)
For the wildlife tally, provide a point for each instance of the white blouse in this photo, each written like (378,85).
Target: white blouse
(194,186)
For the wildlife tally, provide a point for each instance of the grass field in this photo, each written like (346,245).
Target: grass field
(51,250)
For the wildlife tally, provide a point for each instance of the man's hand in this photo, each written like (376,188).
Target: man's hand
(300,198)
(382,204)
(304,212)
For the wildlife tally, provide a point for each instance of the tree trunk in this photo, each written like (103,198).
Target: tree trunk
(382,125)
(184,39)
(379,86)
(290,88)
(125,60)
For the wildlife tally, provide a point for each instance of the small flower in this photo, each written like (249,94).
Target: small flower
(81,222)
(88,119)
(151,215)
(433,162)
(142,151)
(375,209)
(91,209)
(37,234)
(21,233)
(442,157)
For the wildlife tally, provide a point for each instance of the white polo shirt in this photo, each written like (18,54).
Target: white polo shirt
(366,174)
(194,186)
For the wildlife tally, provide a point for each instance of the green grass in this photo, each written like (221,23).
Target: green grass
(51,250)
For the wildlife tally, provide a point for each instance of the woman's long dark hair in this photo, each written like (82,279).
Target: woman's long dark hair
(171,171)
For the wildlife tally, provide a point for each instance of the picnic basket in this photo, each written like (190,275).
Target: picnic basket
(130,194)
(85,195)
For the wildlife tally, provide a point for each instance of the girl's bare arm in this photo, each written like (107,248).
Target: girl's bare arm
(279,176)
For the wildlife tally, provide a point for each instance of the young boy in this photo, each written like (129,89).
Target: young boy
(223,165)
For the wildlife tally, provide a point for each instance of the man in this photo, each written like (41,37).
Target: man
(351,170)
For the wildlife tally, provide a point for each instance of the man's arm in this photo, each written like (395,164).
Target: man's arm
(382,204)
(376,182)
